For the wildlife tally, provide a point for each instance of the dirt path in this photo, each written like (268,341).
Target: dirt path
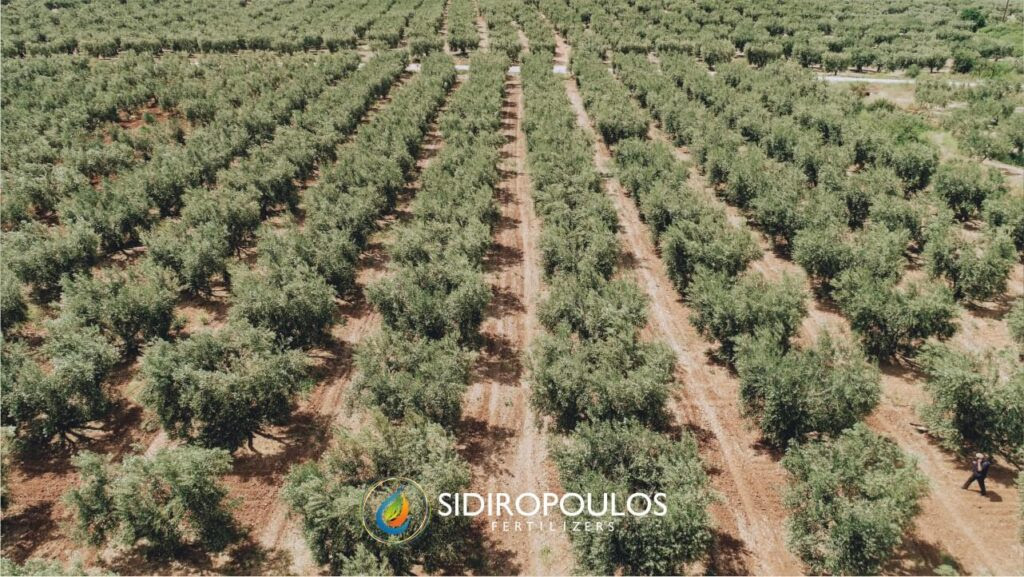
(482,30)
(750,515)
(499,432)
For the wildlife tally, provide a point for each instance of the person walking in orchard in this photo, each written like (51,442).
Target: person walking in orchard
(979,470)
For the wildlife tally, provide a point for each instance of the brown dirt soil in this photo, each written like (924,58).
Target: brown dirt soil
(750,515)
(499,434)
(483,31)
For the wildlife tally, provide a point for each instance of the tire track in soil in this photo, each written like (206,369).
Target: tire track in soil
(955,523)
(750,515)
(499,434)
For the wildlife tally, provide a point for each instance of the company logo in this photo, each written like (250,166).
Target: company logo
(395,510)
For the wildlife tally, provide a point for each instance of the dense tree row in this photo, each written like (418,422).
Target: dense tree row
(424,31)
(216,223)
(415,370)
(501,29)
(871,35)
(68,122)
(127,307)
(591,373)
(180,25)
(539,34)
(614,113)
(462,33)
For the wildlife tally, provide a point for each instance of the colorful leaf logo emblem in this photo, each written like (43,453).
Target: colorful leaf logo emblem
(393,514)
(395,511)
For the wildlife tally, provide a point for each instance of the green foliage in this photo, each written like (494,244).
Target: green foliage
(577,380)
(44,404)
(162,502)
(615,115)
(6,449)
(1007,210)
(328,495)
(965,186)
(13,309)
(195,254)
(462,32)
(715,52)
(977,271)
(221,388)
(850,501)
(595,309)
(40,256)
(913,162)
(43,567)
(725,311)
(825,389)
(435,299)
(889,319)
(624,458)
(131,305)
(977,402)
(289,298)
(1015,321)
(402,375)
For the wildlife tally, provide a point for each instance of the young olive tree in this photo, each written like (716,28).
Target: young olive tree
(850,501)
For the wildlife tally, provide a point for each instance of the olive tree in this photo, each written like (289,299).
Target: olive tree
(435,299)
(289,298)
(964,186)
(221,388)
(891,319)
(850,501)
(977,271)
(576,379)
(977,402)
(130,305)
(40,256)
(623,458)
(825,388)
(61,400)
(724,310)
(401,375)
(162,502)
(328,495)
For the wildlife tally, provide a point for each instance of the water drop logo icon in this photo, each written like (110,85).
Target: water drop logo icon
(393,514)
(395,510)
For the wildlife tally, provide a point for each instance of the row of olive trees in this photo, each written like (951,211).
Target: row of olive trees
(591,372)
(414,371)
